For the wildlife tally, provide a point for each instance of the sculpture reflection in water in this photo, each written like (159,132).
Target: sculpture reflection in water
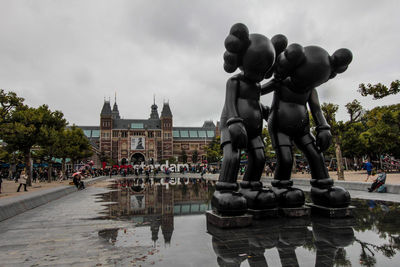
(328,239)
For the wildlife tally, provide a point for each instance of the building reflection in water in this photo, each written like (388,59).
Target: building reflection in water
(154,203)
(274,242)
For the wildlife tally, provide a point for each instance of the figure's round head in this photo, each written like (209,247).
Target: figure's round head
(315,68)
(254,54)
(311,66)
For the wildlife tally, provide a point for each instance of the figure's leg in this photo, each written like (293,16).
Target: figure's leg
(288,197)
(226,200)
(284,162)
(323,192)
(258,198)
(230,167)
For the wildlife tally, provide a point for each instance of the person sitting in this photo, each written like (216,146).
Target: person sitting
(379,181)
(78,183)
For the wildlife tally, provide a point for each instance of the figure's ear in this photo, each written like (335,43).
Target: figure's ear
(340,60)
(231,62)
(280,43)
(286,62)
(236,42)
(238,38)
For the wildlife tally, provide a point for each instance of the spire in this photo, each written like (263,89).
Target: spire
(154,109)
(115,111)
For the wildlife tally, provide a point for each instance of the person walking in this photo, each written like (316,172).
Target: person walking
(22,180)
(368,168)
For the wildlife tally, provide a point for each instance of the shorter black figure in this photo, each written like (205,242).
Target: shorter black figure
(298,71)
(242,119)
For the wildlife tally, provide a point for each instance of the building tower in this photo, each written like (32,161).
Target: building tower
(115,111)
(154,111)
(166,131)
(105,128)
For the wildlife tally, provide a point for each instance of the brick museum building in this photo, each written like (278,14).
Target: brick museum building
(132,141)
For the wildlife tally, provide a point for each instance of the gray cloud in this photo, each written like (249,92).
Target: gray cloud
(72,54)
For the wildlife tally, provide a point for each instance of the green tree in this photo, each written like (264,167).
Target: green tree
(104,157)
(183,157)
(352,145)
(77,146)
(329,111)
(214,151)
(172,160)
(382,133)
(269,150)
(27,127)
(379,90)
(8,103)
(52,140)
(195,156)
(355,110)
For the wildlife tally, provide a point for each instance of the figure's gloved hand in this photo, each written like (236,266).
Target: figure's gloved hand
(238,133)
(324,139)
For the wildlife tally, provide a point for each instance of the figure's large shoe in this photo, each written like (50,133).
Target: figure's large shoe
(289,197)
(258,198)
(332,197)
(229,203)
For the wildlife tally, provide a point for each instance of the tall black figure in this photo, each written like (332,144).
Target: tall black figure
(298,71)
(241,121)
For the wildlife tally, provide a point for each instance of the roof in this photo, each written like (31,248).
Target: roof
(125,124)
(193,133)
(106,110)
(166,111)
(91,132)
(208,124)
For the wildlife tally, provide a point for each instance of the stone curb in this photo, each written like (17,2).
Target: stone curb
(12,206)
(349,185)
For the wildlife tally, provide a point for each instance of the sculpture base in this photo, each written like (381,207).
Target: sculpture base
(332,212)
(261,214)
(295,212)
(228,221)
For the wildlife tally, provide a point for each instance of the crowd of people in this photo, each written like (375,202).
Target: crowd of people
(42,174)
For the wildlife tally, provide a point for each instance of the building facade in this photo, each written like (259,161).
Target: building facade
(152,140)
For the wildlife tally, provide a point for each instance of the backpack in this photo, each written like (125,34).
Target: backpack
(381,189)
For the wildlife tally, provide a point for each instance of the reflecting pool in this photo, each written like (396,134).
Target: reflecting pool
(167,218)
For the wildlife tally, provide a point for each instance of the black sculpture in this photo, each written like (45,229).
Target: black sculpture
(241,121)
(297,72)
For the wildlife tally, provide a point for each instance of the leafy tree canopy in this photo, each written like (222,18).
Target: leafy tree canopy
(8,102)
(379,90)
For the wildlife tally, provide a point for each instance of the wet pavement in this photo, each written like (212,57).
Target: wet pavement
(132,225)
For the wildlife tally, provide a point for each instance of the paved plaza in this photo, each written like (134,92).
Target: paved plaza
(81,230)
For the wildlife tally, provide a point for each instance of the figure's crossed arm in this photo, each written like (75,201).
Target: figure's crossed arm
(268,87)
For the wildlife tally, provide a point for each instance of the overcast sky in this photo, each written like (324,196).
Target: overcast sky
(73,54)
